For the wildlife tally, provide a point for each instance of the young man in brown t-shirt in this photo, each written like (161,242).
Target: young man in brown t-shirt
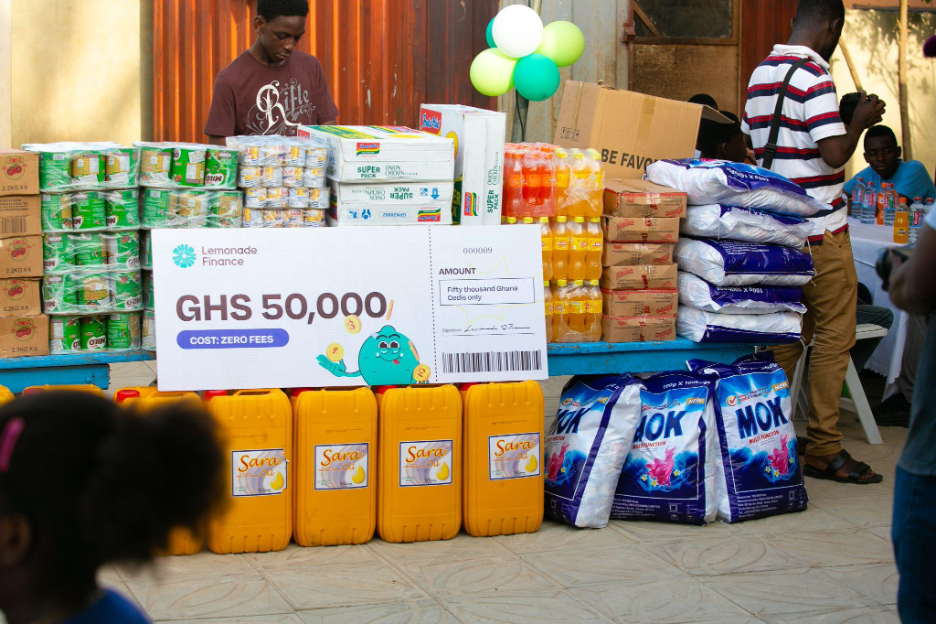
(271,88)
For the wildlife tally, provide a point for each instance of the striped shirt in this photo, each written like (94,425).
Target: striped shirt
(810,114)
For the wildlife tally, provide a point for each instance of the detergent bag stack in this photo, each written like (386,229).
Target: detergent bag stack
(741,264)
(686,447)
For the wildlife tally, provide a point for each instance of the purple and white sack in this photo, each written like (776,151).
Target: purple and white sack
(669,474)
(723,182)
(586,446)
(745,224)
(730,263)
(697,293)
(768,329)
(758,472)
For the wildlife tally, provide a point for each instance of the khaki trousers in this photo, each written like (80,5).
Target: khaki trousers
(830,300)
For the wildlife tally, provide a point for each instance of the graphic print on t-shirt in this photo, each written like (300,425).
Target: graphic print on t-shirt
(280,107)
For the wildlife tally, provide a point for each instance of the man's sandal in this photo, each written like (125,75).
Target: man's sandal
(836,464)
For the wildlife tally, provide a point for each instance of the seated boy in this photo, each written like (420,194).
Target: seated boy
(881,151)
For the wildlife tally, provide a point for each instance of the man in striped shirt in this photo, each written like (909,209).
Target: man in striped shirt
(813,148)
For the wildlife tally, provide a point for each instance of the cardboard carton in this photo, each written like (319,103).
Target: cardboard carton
(631,130)
(390,204)
(479,158)
(21,256)
(384,154)
(642,198)
(20,215)
(630,254)
(639,277)
(20,297)
(19,172)
(622,303)
(24,335)
(638,328)
(641,230)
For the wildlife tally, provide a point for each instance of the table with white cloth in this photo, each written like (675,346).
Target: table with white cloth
(867,242)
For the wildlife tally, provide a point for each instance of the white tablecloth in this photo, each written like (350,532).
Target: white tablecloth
(867,242)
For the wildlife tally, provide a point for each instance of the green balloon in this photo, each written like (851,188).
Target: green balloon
(563,43)
(489,35)
(492,72)
(536,77)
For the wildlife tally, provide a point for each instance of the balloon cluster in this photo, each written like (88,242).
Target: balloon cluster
(525,54)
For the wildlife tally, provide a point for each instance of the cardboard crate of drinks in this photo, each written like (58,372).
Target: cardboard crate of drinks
(187,165)
(86,166)
(96,333)
(164,208)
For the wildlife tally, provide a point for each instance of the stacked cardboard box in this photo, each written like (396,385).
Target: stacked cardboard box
(24,330)
(638,285)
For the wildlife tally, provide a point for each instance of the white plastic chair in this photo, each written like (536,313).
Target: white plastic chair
(859,401)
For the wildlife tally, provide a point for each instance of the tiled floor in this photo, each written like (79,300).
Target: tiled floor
(832,563)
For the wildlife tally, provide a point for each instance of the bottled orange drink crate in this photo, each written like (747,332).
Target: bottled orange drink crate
(419,458)
(257,439)
(334,477)
(503,473)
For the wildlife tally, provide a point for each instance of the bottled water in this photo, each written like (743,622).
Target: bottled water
(869,200)
(917,214)
(858,199)
(890,206)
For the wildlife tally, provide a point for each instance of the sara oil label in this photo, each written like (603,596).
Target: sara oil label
(426,463)
(258,472)
(341,466)
(514,456)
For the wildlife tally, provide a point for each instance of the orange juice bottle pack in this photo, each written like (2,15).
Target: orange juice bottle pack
(548,303)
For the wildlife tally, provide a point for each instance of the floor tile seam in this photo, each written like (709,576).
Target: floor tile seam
(568,594)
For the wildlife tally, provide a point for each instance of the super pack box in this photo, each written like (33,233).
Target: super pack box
(621,303)
(630,130)
(19,172)
(642,198)
(20,297)
(390,204)
(639,277)
(20,215)
(638,328)
(641,229)
(21,256)
(24,335)
(384,154)
(630,254)
(479,158)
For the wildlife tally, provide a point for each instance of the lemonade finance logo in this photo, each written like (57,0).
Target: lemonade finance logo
(183,256)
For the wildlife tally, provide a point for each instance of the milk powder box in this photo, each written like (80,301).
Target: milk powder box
(479,158)
(404,203)
(368,154)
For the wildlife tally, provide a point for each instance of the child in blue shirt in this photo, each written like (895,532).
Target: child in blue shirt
(882,153)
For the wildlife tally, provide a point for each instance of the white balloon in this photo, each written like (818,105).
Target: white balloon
(518,30)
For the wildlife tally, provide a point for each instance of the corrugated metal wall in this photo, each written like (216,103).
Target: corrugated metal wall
(383,58)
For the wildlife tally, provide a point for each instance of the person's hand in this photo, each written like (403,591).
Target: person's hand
(870,111)
(896,260)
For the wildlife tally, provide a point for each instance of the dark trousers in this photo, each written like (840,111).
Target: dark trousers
(913,529)
(875,315)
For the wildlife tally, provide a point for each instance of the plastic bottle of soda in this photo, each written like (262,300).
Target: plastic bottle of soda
(901,224)
(881,203)
(547,162)
(890,207)
(548,305)
(595,248)
(561,243)
(594,205)
(578,248)
(510,220)
(577,295)
(578,190)
(593,307)
(561,307)
(563,179)
(513,184)
(532,183)
(547,238)
(917,214)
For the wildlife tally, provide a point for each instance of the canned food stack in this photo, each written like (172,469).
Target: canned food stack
(149,314)
(560,190)
(638,281)
(65,167)
(283,181)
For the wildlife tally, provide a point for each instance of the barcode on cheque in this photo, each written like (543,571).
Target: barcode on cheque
(492,362)
(13,225)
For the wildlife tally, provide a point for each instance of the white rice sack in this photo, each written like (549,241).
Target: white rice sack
(769,329)
(731,263)
(697,293)
(745,224)
(723,182)
(586,447)
(669,474)
(758,472)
